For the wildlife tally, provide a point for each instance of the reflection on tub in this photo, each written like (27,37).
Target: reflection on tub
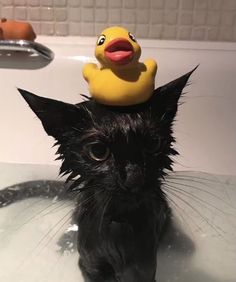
(24,54)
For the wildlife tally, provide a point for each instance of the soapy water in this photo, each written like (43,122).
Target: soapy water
(201,246)
(30,232)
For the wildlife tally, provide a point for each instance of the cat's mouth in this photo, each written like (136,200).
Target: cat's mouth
(119,51)
(124,198)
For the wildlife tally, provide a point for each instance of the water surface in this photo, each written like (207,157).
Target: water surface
(200,246)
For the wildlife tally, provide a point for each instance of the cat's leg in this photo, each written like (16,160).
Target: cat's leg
(138,272)
(30,189)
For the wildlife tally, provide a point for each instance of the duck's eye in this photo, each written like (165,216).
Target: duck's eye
(97,151)
(101,39)
(132,37)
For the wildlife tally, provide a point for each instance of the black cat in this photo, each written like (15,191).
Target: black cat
(122,155)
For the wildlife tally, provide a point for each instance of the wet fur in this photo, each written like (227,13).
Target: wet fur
(121,209)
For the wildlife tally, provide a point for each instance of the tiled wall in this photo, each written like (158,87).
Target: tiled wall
(213,20)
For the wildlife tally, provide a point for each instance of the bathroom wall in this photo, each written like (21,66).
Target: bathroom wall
(205,20)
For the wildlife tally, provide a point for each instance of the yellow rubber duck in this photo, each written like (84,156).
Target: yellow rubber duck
(121,80)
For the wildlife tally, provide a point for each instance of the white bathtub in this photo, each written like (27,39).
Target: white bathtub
(206,137)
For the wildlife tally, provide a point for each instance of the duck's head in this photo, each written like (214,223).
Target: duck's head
(117,48)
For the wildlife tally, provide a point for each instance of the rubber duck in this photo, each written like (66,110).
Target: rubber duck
(120,80)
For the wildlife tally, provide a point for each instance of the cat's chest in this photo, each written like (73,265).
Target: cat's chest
(126,231)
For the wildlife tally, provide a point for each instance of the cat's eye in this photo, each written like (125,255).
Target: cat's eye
(101,39)
(152,147)
(97,151)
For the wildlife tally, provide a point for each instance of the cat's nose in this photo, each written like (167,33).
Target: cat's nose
(134,178)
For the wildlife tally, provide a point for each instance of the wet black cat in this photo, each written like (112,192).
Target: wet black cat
(122,155)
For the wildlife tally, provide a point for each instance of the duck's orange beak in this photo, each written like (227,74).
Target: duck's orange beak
(119,51)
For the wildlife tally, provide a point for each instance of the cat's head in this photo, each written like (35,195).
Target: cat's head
(122,151)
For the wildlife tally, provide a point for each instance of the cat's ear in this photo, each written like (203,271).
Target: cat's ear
(165,100)
(57,117)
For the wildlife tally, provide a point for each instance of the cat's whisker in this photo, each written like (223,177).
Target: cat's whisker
(32,253)
(213,226)
(81,185)
(176,177)
(32,218)
(93,209)
(203,202)
(92,201)
(76,129)
(56,209)
(100,210)
(200,180)
(83,203)
(88,199)
(61,223)
(215,180)
(180,212)
(214,195)
(208,183)
(107,201)
(200,201)
(200,185)
(36,216)
(52,236)
(21,212)
(90,114)
(197,200)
